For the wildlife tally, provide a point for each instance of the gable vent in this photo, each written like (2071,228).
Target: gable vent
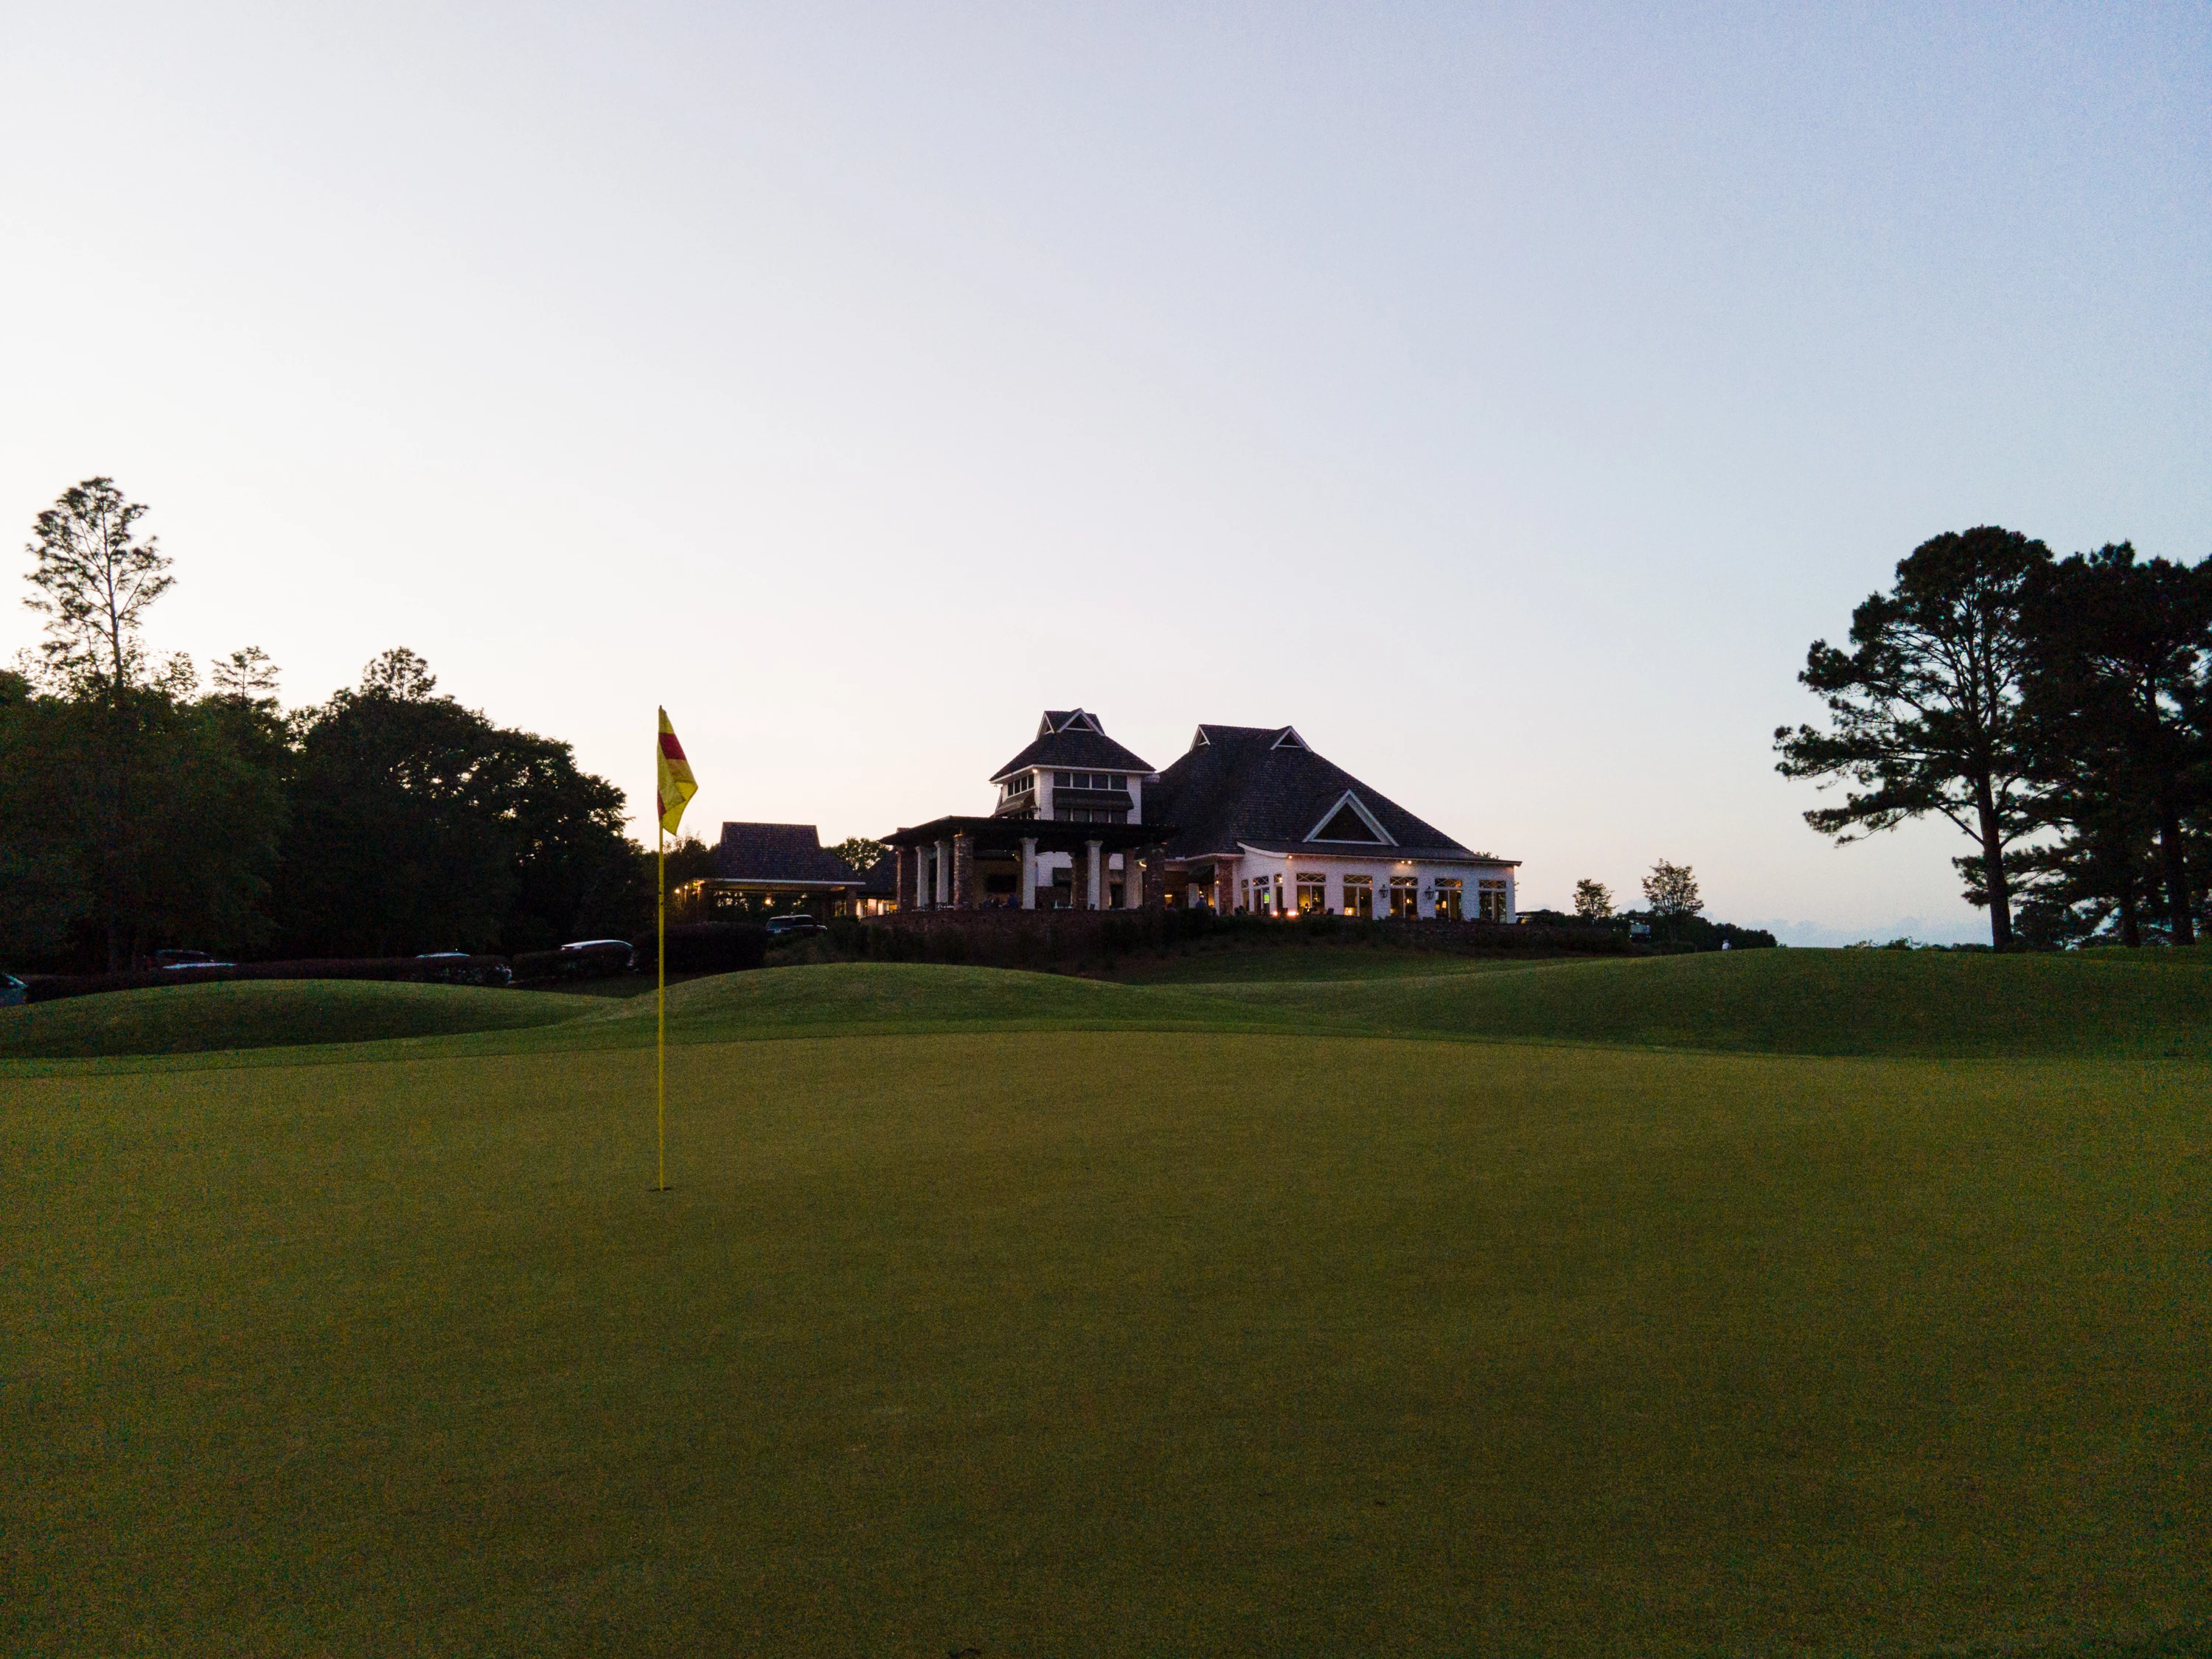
(1349,820)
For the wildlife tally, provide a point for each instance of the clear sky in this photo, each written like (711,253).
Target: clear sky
(1504,395)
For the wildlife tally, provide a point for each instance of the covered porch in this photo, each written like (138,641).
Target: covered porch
(1007,863)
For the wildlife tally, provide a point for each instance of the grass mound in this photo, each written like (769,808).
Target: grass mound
(878,997)
(187,1019)
(1805,1002)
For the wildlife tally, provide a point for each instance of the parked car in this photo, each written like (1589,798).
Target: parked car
(188,959)
(14,993)
(590,959)
(468,970)
(794,926)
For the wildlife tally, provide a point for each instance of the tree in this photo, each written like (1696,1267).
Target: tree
(859,852)
(1593,900)
(400,674)
(419,825)
(1671,891)
(392,847)
(43,885)
(574,868)
(188,866)
(119,783)
(688,859)
(1925,707)
(246,677)
(95,581)
(2117,699)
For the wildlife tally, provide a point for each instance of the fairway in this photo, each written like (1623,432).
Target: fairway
(1047,1317)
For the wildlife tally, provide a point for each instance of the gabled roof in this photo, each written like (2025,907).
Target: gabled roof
(1254,784)
(778,851)
(1072,736)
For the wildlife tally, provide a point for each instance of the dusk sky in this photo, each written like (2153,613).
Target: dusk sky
(1505,397)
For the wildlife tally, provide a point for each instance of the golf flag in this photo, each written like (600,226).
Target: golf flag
(678,785)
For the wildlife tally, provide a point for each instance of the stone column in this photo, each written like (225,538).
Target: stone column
(1132,881)
(902,878)
(1029,872)
(1097,872)
(944,872)
(963,873)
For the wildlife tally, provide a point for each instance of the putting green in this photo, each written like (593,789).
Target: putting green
(1104,1341)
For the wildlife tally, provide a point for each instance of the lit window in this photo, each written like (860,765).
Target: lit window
(1490,897)
(1359,897)
(1313,894)
(1449,890)
(1405,898)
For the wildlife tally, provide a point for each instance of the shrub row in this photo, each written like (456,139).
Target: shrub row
(599,961)
(1039,938)
(710,947)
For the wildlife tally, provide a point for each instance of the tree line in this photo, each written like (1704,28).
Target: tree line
(2058,711)
(140,808)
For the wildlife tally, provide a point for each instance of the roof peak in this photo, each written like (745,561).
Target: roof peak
(1056,720)
(1286,737)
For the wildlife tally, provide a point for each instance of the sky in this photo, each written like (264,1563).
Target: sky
(1504,395)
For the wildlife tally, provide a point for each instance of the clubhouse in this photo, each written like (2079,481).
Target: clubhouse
(1249,819)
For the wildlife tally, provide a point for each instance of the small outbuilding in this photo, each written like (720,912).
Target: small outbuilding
(786,867)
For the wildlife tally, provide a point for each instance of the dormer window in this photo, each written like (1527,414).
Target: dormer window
(1090,779)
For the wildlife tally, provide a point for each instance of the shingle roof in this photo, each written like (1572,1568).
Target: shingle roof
(1070,737)
(1262,785)
(778,851)
(1437,855)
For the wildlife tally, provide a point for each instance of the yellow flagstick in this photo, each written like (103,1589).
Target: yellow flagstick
(661,1004)
(677,786)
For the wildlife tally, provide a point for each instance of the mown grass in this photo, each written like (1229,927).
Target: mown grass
(1811,1002)
(173,1020)
(1224,1340)
(1807,1002)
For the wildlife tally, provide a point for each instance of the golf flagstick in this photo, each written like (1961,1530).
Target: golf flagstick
(660,1009)
(676,788)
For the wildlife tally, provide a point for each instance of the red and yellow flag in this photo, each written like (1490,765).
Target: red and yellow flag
(678,785)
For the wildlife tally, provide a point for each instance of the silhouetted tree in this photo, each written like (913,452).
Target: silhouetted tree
(2117,699)
(1671,891)
(1593,900)
(118,785)
(95,581)
(859,852)
(419,825)
(1924,708)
